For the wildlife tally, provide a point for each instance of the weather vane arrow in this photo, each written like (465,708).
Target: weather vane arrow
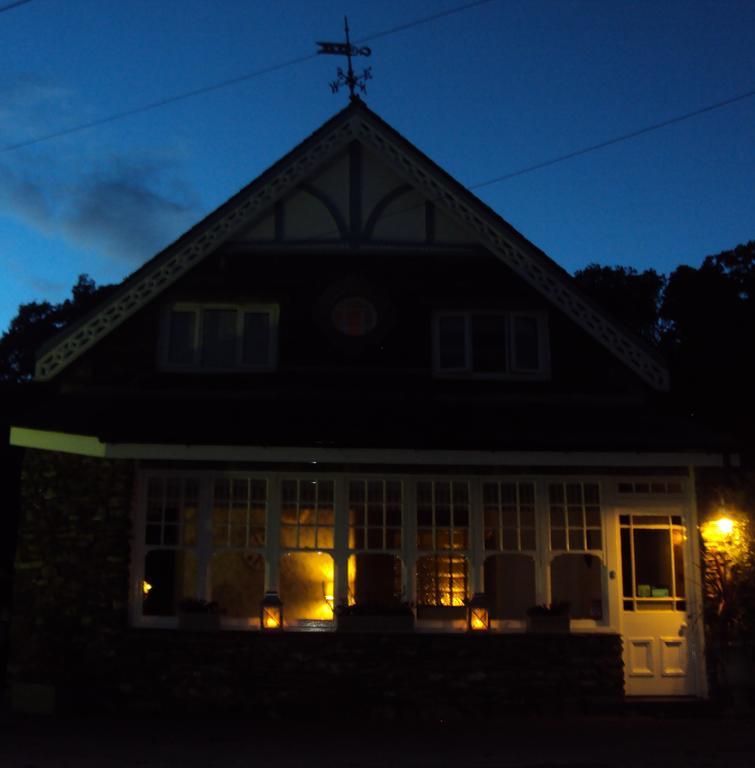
(348,78)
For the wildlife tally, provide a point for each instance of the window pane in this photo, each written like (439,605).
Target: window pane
(219,338)
(377,579)
(441,580)
(256,342)
(509,585)
(489,343)
(170,575)
(652,562)
(181,338)
(576,579)
(306,580)
(238,583)
(452,342)
(526,354)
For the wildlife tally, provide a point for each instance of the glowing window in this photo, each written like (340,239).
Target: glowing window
(239,510)
(442,515)
(307,514)
(374,515)
(441,580)
(354,316)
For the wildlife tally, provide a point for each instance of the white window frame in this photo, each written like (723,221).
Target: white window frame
(512,373)
(198,309)
(475,553)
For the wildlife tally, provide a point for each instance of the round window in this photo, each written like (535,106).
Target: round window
(354,316)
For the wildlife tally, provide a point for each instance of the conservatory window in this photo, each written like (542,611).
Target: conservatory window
(375,511)
(509,585)
(575,523)
(509,515)
(170,544)
(237,564)
(307,514)
(442,515)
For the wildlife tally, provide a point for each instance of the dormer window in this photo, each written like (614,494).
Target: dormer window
(498,345)
(220,337)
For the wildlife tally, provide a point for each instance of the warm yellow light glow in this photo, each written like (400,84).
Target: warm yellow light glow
(725,525)
(306,585)
(146,586)
(727,536)
(478,622)
(272,620)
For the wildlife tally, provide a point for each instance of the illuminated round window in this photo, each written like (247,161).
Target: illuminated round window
(354,316)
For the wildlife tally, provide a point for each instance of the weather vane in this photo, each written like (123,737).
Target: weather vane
(348,78)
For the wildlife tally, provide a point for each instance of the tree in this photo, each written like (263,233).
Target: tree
(36,322)
(632,297)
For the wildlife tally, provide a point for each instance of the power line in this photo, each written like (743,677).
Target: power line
(615,140)
(226,83)
(11,6)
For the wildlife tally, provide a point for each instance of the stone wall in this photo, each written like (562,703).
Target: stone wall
(320,676)
(72,564)
(72,648)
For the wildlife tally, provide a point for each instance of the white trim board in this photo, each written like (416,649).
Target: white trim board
(87,445)
(355,123)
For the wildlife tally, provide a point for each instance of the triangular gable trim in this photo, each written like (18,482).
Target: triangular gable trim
(360,123)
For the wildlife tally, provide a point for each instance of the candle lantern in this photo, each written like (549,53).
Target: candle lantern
(478,616)
(271,612)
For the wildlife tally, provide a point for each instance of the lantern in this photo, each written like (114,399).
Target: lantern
(478,616)
(271,612)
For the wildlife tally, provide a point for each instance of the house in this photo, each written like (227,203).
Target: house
(354,384)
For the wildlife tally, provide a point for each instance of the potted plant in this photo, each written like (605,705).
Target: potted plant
(394,616)
(198,615)
(548,618)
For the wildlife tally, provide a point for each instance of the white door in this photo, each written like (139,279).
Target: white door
(654,606)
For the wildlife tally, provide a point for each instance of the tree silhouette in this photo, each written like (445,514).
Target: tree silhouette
(36,322)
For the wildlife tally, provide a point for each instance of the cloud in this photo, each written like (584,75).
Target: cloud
(120,206)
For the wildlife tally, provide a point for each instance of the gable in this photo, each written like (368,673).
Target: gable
(355,198)
(354,181)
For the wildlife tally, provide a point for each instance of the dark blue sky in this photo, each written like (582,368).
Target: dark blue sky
(484,92)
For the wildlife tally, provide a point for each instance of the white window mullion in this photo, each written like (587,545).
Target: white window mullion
(409,540)
(340,541)
(542,542)
(273,534)
(477,537)
(204,535)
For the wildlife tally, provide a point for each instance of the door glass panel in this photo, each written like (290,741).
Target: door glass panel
(652,558)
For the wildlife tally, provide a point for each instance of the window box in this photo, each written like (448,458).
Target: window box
(491,345)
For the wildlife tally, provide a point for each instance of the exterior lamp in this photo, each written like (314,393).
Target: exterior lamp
(271,613)
(478,616)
